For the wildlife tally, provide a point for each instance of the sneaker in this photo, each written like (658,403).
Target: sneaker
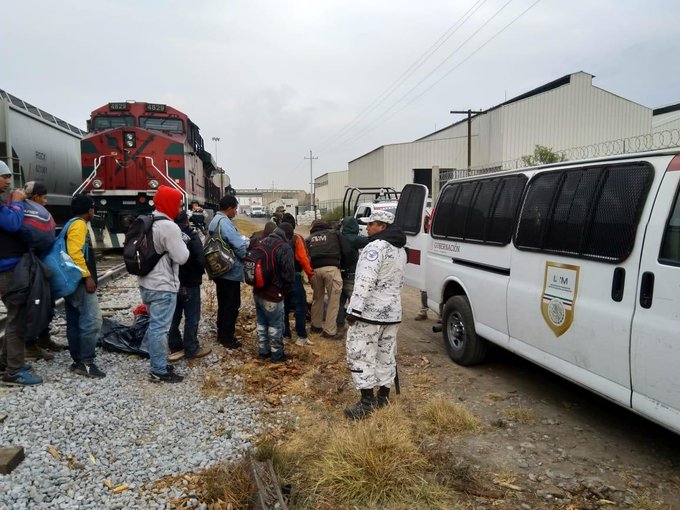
(264,355)
(314,329)
(34,353)
(337,336)
(88,370)
(282,359)
(200,353)
(301,342)
(21,378)
(168,377)
(176,356)
(25,368)
(46,342)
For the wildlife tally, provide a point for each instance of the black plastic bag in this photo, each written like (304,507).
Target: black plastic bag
(117,337)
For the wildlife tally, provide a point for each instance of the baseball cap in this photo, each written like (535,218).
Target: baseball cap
(382,216)
(4,169)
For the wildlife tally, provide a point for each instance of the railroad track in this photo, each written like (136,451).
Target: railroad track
(109,267)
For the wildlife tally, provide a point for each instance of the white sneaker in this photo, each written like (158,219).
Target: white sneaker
(301,342)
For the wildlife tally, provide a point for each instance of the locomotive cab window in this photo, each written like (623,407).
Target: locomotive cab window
(112,121)
(162,124)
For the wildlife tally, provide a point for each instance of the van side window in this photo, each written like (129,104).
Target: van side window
(479,211)
(670,247)
(409,210)
(590,212)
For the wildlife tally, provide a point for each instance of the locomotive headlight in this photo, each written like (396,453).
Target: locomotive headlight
(130,139)
(153,184)
(102,201)
(97,183)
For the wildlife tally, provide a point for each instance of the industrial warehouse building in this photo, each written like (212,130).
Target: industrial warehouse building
(568,115)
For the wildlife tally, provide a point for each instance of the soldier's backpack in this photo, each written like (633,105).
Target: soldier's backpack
(259,267)
(139,254)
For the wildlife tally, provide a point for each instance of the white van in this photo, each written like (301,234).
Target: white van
(575,266)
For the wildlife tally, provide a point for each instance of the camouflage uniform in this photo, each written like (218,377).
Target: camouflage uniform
(376,307)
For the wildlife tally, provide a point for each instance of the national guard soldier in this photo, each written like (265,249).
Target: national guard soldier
(374,314)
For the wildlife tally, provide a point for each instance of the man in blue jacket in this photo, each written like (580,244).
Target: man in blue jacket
(12,247)
(228,285)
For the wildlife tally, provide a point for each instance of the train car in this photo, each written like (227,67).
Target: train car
(131,149)
(38,146)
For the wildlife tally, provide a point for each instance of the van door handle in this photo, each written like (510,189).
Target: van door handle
(618,283)
(646,289)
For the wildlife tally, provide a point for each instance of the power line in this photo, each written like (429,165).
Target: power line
(378,122)
(381,121)
(408,73)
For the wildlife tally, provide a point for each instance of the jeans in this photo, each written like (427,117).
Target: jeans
(228,304)
(269,327)
(83,324)
(345,295)
(161,305)
(11,344)
(296,300)
(189,304)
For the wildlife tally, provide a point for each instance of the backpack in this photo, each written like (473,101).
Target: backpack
(38,227)
(139,254)
(65,275)
(259,265)
(219,257)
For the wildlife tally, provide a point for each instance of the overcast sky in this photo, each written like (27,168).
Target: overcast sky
(274,79)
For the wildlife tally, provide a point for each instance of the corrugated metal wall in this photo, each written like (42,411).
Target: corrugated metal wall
(572,114)
(330,188)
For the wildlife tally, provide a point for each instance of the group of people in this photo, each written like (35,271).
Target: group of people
(354,279)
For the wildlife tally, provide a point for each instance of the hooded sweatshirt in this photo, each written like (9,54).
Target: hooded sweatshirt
(278,243)
(167,239)
(350,231)
(379,277)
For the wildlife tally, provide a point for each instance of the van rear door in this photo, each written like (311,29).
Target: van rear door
(655,338)
(410,217)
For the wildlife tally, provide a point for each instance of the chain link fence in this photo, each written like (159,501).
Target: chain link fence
(642,143)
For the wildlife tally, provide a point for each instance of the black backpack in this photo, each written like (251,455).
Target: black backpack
(138,252)
(259,265)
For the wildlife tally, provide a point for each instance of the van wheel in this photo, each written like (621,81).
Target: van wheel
(461,340)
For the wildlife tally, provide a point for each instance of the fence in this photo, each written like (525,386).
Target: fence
(642,143)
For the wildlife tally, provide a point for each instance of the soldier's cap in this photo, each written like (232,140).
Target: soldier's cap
(381,216)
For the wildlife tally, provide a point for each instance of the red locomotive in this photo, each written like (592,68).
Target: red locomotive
(130,150)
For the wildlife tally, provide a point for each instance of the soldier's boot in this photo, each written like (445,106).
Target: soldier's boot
(363,408)
(383,398)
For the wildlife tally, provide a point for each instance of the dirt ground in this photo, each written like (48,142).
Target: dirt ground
(544,442)
(549,436)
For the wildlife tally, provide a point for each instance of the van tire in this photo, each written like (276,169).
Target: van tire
(460,338)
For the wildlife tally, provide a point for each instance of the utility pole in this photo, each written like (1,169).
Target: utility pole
(311,158)
(469,134)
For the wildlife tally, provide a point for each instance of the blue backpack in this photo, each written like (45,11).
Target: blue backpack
(65,274)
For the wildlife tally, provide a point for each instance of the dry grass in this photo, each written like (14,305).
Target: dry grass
(521,415)
(228,486)
(375,463)
(441,416)
(246,227)
(645,502)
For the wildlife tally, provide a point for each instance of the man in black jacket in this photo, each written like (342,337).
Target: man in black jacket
(269,300)
(328,252)
(188,297)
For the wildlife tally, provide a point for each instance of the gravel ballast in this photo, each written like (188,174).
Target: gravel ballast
(85,437)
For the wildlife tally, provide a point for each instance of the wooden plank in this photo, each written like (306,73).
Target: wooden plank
(10,458)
